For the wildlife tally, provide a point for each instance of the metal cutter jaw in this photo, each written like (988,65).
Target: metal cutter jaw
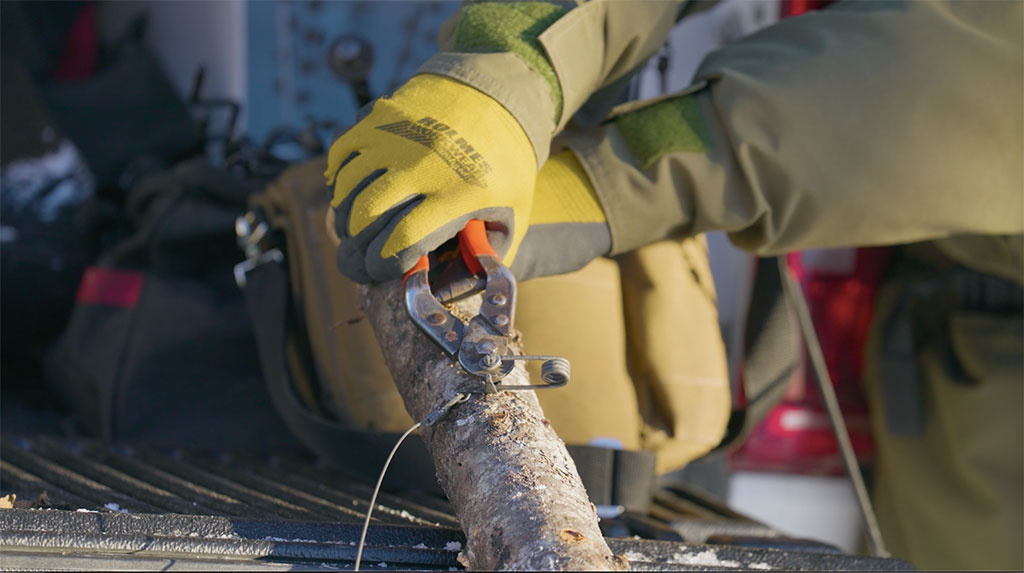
(480,345)
(429,314)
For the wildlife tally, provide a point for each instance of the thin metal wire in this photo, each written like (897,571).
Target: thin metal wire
(835,415)
(376,490)
(431,419)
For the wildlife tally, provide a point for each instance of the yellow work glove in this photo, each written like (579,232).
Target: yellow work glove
(408,176)
(568,226)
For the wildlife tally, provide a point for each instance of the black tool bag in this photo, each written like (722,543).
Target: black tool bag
(44,182)
(76,126)
(159,348)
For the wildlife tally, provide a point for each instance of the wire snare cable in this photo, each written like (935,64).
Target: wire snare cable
(431,419)
(376,490)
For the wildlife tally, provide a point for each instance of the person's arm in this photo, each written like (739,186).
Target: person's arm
(464,138)
(868,123)
(543,60)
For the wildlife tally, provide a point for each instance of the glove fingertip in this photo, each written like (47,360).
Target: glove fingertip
(351,263)
(384,270)
(331,174)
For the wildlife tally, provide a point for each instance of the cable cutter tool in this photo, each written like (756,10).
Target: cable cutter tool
(481,346)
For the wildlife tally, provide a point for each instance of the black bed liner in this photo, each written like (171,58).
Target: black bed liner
(146,508)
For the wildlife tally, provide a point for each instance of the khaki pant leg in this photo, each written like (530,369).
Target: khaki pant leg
(951,498)
(675,349)
(579,316)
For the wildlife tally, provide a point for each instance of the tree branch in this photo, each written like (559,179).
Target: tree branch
(516,491)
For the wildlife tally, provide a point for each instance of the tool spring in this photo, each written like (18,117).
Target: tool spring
(555,371)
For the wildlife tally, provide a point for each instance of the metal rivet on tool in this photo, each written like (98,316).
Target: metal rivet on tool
(450,336)
(501,320)
(436,318)
(498,299)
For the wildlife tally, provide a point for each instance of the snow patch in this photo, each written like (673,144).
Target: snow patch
(205,536)
(453,546)
(114,507)
(420,546)
(464,421)
(382,564)
(708,558)
(761,566)
(283,540)
(85,511)
(632,556)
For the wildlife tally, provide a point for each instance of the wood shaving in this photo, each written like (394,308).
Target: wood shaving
(11,501)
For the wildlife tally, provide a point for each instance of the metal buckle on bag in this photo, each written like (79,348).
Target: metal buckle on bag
(482,345)
(251,229)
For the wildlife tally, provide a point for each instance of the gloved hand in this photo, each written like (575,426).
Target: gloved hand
(408,176)
(568,227)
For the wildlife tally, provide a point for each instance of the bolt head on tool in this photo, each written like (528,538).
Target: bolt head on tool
(451,335)
(498,300)
(490,360)
(501,320)
(436,318)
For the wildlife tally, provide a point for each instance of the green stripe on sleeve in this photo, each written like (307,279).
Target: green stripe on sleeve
(512,27)
(665,127)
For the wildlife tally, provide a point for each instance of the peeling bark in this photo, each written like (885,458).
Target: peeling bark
(516,491)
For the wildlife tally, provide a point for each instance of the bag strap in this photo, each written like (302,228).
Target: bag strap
(771,349)
(616,477)
(612,477)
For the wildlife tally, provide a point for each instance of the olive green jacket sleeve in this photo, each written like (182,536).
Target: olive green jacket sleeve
(543,60)
(864,124)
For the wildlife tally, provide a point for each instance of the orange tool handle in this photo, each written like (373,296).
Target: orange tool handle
(422,264)
(473,243)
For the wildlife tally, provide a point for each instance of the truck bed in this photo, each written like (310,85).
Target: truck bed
(84,505)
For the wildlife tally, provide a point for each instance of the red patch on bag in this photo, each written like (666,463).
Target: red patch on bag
(109,287)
